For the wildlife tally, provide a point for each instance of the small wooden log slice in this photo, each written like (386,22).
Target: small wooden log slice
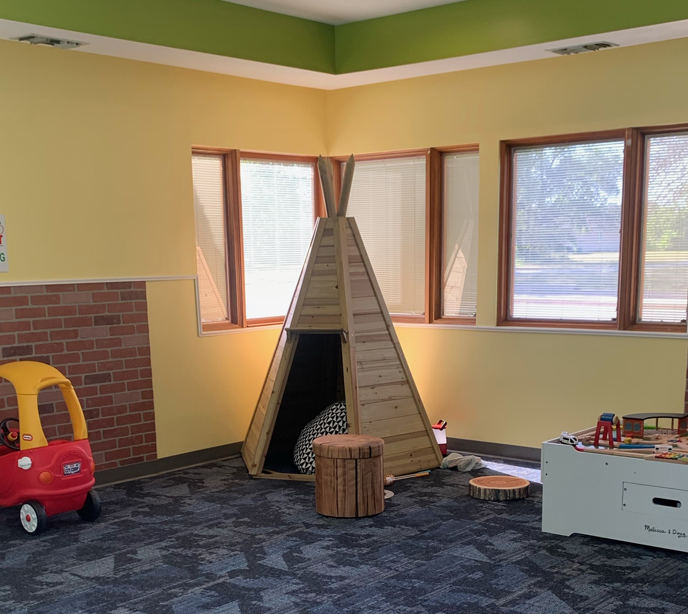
(498,488)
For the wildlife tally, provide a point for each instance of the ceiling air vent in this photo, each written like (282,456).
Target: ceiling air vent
(39,39)
(576,49)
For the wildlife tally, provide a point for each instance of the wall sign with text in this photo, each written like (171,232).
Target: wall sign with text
(3,246)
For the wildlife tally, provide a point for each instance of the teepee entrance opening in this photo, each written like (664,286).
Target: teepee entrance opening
(315,380)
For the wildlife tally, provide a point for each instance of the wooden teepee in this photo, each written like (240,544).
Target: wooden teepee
(338,343)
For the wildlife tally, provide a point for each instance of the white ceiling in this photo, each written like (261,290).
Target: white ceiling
(341,11)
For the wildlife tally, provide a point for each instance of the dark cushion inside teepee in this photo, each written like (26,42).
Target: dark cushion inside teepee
(330,421)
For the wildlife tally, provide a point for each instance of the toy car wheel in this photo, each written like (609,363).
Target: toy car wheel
(33,517)
(92,507)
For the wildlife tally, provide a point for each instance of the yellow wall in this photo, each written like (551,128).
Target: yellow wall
(508,387)
(95,182)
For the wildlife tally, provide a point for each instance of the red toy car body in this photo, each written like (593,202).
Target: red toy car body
(45,478)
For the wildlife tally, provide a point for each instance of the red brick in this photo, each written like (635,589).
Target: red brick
(61,311)
(137,363)
(142,329)
(32,337)
(119,285)
(148,416)
(110,365)
(49,348)
(101,446)
(13,301)
(112,388)
(114,410)
(65,429)
(102,465)
(94,332)
(78,322)
(28,289)
(131,440)
(92,414)
(8,339)
(118,454)
(4,290)
(107,320)
(80,369)
(148,448)
(141,406)
(7,314)
(90,310)
(95,355)
(139,285)
(124,353)
(14,351)
(143,427)
(75,298)
(141,306)
(50,395)
(140,384)
(105,297)
(120,307)
(134,318)
(46,408)
(88,390)
(97,378)
(128,419)
(146,373)
(50,432)
(23,313)
(79,346)
(132,461)
(94,435)
(47,324)
(114,433)
(151,457)
(67,359)
(109,343)
(59,335)
(144,350)
(121,376)
(135,340)
(118,331)
(90,287)
(60,288)
(45,299)
(133,295)
(13,327)
(127,397)
(101,401)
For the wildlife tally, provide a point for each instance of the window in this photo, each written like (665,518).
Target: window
(594,231)
(418,216)
(664,270)
(254,222)
(388,201)
(277,203)
(460,240)
(211,246)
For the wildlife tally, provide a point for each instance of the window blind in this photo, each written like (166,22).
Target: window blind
(664,278)
(461,180)
(277,201)
(211,260)
(388,201)
(566,231)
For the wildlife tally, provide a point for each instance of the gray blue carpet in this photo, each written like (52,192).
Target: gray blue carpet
(211,540)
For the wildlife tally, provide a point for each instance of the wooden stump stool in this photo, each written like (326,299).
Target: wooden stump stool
(498,488)
(349,475)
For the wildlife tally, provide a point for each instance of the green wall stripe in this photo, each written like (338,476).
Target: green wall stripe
(451,30)
(477,26)
(209,26)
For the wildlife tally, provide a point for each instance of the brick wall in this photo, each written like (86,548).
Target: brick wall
(97,335)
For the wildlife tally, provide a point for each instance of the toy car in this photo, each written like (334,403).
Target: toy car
(45,478)
(568,439)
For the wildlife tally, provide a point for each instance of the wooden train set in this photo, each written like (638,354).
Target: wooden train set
(666,439)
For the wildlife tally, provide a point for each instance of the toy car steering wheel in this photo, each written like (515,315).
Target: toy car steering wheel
(5,439)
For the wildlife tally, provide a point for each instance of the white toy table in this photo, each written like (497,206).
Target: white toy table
(630,499)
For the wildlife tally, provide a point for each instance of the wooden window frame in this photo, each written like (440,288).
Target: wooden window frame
(631,236)
(231,164)
(434,226)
